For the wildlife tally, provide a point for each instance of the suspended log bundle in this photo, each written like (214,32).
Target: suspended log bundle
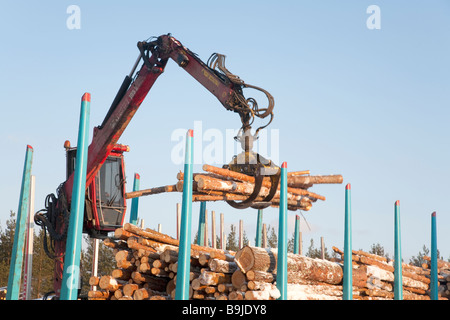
(218,184)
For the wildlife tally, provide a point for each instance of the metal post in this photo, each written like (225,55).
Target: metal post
(222,233)
(434,285)
(15,268)
(71,273)
(300,251)
(213,229)
(322,248)
(201,224)
(184,253)
(297,234)
(348,269)
(135,201)
(28,267)
(178,220)
(259,228)
(282,236)
(398,278)
(95,261)
(206,229)
(241,233)
(264,236)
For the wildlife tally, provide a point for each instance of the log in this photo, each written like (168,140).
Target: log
(255,258)
(238,279)
(213,278)
(299,267)
(109,283)
(130,288)
(236,295)
(257,275)
(314,292)
(98,294)
(150,191)
(218,265)
(93,281)
(121,274)
(308,181)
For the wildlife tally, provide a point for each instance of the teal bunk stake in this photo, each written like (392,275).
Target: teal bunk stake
(398,278)
(184,251)
(71,273)
(201,224)
(15,268)
(297,235)
(348,269)
(135,201)
(259,228)
(282,236)
(433,271)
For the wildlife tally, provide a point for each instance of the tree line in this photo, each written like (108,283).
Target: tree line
(43,266)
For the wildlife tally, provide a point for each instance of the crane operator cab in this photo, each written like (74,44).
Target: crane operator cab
(105,203)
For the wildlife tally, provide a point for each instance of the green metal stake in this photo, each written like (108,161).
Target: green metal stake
(259,228)
(398,277)
(282,236)
(15,268)
(184,251)
(297,235)
(348,269)
(71,273)
(201,224)
(135,201)
(433,270)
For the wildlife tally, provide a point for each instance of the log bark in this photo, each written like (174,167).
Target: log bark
(213,278)
(109,283)
(299,267)
(256,275)
(308,181)
(218,265)
(150,191)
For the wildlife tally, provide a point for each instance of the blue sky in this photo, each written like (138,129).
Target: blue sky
(371,105)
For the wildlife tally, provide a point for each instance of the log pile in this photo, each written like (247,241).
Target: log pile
(218,184)
(308,278)
(147,269)
(373,278)
(443,276)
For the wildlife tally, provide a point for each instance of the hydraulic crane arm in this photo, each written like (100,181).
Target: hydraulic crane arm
(216,78)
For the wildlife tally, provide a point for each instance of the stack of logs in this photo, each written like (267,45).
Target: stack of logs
(147,269)
(443,275)
(373,278)
(218,184)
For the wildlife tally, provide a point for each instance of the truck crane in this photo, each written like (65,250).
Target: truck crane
(105,203)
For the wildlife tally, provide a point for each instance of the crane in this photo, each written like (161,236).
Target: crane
(105,204)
